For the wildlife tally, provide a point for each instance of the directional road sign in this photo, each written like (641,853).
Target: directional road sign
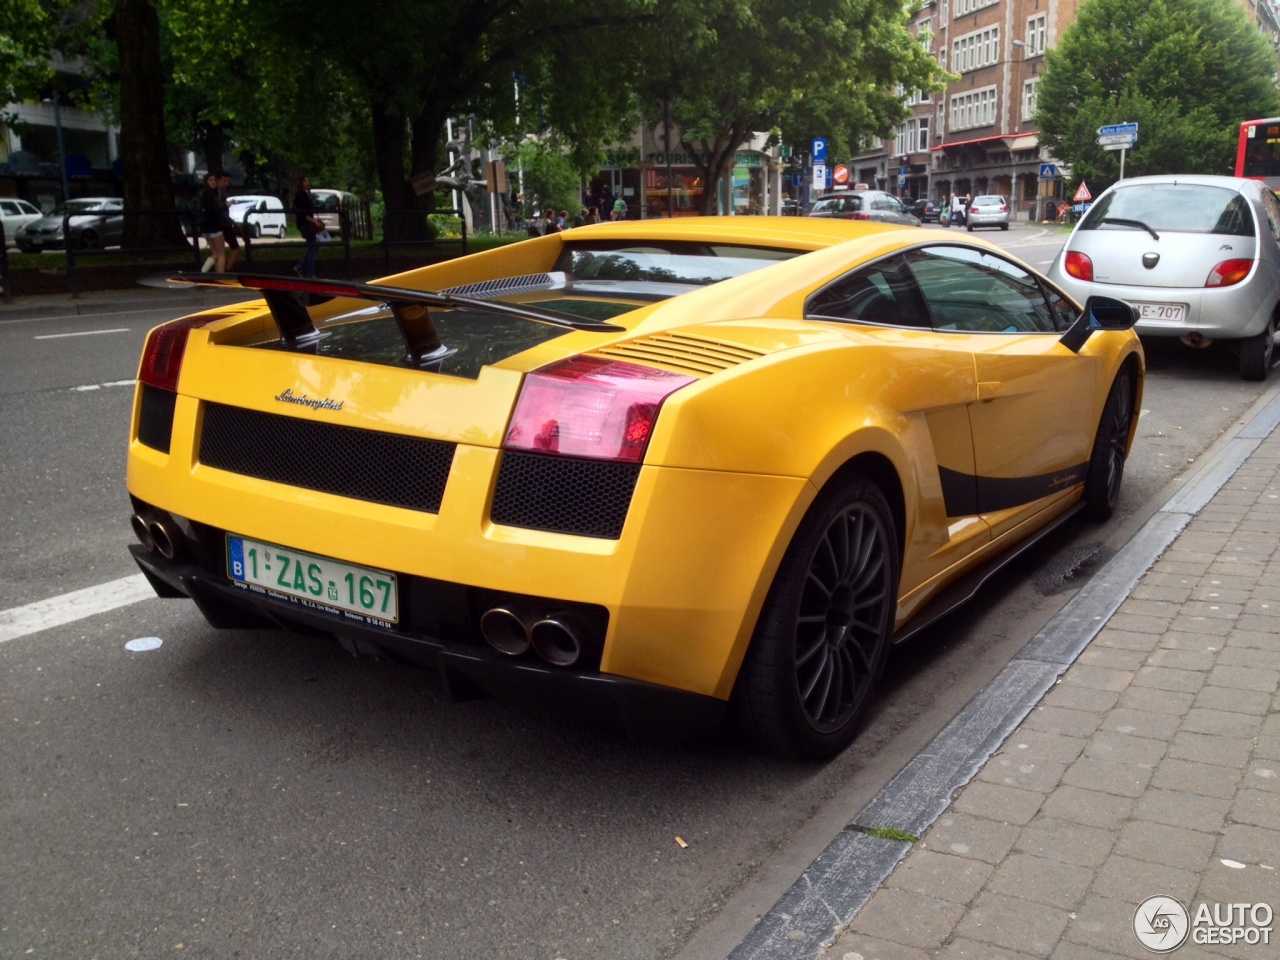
(1118,128)
(1117,139)
(1117,146)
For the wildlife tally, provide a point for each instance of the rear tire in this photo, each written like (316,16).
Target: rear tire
(257,231)
(1106,463)
(1257,352)
(89,240)
(970,226)
(1004,226)
(820,644)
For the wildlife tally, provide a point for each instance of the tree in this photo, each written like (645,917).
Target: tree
(732,67)
(1186,71)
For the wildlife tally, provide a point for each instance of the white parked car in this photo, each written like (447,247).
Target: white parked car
(329,207)
(15,213)
(258,215)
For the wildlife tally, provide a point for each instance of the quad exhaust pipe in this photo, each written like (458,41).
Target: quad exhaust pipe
(557,638)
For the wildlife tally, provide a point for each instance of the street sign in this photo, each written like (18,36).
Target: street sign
(795,179)
(820,176)
(1048,171)
(1131,128)
(840,175)
(1082,193)
(1116,146)
(1118,139)
(819,150)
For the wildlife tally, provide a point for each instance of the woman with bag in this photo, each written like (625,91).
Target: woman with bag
(308,224)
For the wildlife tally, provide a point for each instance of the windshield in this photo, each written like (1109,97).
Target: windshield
(75,206)
(697,264)
(1173,207)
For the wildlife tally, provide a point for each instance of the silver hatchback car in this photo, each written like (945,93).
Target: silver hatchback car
(988,211)
(1198,256)
(864,205)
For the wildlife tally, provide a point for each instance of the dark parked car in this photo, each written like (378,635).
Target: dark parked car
(929,211)
(95,222)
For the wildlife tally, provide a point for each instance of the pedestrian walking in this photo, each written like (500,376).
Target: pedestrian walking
(209,226)
(308,224)
(232,243)
(619,209)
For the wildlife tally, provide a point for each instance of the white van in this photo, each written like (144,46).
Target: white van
(265,215)
(330,204)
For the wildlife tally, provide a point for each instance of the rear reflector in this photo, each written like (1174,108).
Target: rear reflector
(591,407)
(1228,272)
(166,344)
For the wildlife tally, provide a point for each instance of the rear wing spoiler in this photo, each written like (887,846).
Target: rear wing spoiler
(287,298)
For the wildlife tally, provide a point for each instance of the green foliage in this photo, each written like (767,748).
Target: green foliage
(1186,71)
(550,179)
(892,833)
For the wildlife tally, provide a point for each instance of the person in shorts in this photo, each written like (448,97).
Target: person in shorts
(228,225)
(212,213)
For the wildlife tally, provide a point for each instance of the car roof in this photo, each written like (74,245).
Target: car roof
(1196,179)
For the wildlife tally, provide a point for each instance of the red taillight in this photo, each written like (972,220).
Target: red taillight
(591,407)
(162,356)
(1228,272)
(1004,208)
(1079,266)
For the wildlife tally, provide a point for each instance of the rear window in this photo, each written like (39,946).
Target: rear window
(1173,207)
(838,205)
(698,264)
(988,201)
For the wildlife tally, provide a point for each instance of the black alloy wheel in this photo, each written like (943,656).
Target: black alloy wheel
(823,634)
(89,240)
(1110,444)
(1257,353)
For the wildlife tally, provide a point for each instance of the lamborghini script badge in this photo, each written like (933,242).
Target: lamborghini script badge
(288,396)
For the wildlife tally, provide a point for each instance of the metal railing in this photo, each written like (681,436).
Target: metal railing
(343,239)
(93,235)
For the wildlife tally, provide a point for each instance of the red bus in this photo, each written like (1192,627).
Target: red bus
(1258,154)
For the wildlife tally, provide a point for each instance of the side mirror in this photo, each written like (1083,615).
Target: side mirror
(1099,313)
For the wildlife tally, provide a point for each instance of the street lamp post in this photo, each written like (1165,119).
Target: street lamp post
(62,150)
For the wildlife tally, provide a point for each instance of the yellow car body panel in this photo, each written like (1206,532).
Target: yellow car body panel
(777,406)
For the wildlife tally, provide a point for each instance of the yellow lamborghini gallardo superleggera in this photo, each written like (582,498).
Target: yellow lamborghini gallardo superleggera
(686,470)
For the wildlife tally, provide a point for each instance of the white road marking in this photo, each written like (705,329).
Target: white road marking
(54,612)
(82,333)
(109,383)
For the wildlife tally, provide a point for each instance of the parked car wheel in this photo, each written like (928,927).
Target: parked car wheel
(1106,464)
(1004,226)
(280,233)
(1256,353)
(257,230)
(89,240)
(823,635)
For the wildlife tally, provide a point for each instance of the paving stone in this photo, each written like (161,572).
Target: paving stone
(858,946)
(1203,748)
(962,949)
(1098,678)
(1066,950)
(1071,723)
(1161,843)
(1220,723)
(1142,723)
(1109,776)
(1050,882)
(1138,623)
(1258,807)
(1156,700)
(1125,748)
(1213,592)
(1181,659)
(1205,779)
(1089,807)
(940,875)
(1223,884)
(1271,726)
(1025,773)
(1177,808)
(1021,925)
(1268,748)
(1262,774)
(998,802)
(1125,639)
(1256,621)
(1106,923)
(1250,844)
(907,918)
(969,836)
(1244,678)
(1068,842)
(1233,701)
(1072,696)
(1123,876)
(1113,657)
(1169,678)
(1252,658)
(1198,640)
(1043,746)
(1254,639)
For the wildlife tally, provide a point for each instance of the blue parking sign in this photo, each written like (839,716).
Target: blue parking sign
(819,149)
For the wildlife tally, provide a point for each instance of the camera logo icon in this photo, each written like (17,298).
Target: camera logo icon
(1161,924)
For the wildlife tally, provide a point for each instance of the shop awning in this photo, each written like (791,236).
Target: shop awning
(1030,142)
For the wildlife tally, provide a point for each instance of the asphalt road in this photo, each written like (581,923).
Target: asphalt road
(263,795)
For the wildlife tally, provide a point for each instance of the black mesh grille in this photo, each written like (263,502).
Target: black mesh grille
(155,418)
(586,497)
(362,464)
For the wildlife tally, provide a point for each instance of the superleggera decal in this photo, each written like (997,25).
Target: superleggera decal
(966,495)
